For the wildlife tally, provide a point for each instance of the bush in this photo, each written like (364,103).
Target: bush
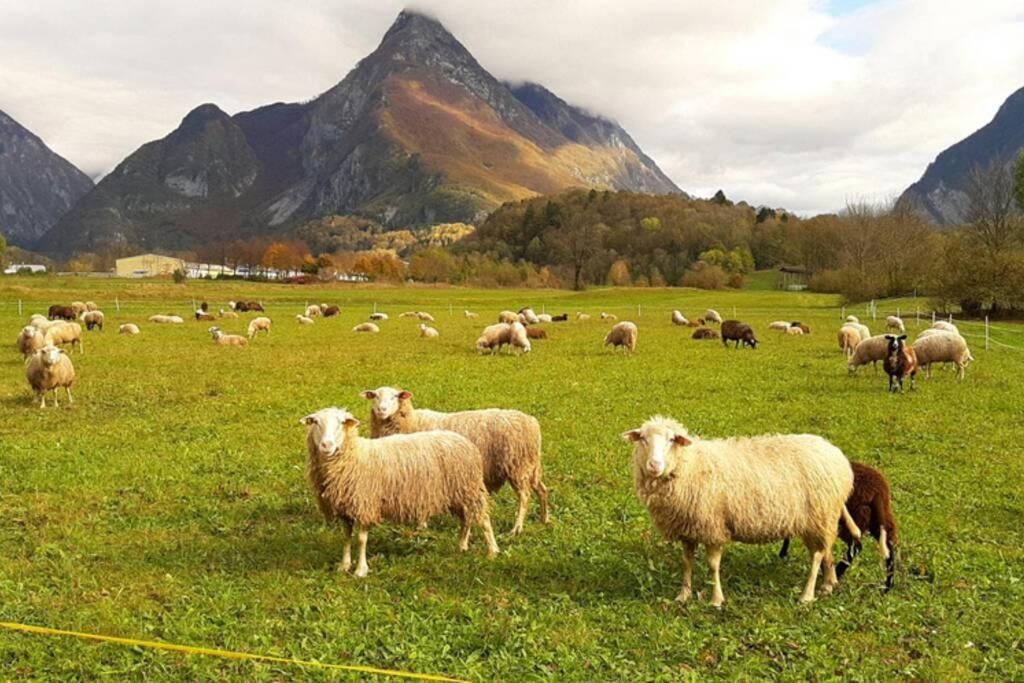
(179,275)
(705,276)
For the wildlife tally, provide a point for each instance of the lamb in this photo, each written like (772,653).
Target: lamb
(508,317)
(93,319)
(870,506)
(65,333)
(582,317)
(257,325)
(705,333)
(128,328)
(622,334)
(849,338)
(312,311)
(50,369)
(608,316)
(221,339)
(711,315)
(494,337)
(945,326)
(166,319)
(228,315)
(794,331)
(57,312)
(900,361)
(406,479)
(894,322)
(30,340)
(870,350)
(509,441)
(470,314)
(560,318)
(528,317)
(942,348)
(741,333)
(536,333)
(304,320)
(425,317)
(751,490)
(778,325)
(428,331)
(378,316)
(679,319)
(91,306)
(366,327)
(543,317)
(329,311)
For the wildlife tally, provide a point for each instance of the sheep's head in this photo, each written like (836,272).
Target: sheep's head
(328,428)
(386,400)
(50,354)
(895,343)
(215,331)
(655,443)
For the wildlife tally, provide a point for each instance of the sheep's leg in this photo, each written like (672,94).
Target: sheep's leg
(542,495)
(784,550)
(830,571)
(42,397)
(960,368)
(714,564)
(362,569)
(492,545)
(464,536)
(890,559)
(70,398)
(523,493)
(852,550)
(687,590)
(55,404)
(812,578)
(346,552)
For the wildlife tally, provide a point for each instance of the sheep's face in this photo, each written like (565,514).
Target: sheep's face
(895,343)
(653,446)
(50,354)
(386,401)
(327,428)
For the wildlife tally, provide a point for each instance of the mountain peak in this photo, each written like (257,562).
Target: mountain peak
(202,115)
(410,20)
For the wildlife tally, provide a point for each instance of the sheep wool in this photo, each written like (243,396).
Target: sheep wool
(30,340)
(128,328)
(304,319)
(50,369)
(944,347)
(257,325)
(623,334)
(366,327)
(428,331)
(871,350)
(65,333)
(679,319)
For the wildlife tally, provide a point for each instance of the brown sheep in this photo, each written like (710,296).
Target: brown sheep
(900,362)
(741,333)
(536,333)
(705,333)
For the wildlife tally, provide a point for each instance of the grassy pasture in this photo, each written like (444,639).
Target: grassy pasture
(169,502)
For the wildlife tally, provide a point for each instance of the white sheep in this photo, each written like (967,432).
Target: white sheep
(945,326)
(780,325)
(378,316)
(608,316)
(894,322)
(752,490)
(509,441)
(494,337)
(228,314)
(470,314)
(712,316)
(166,319)
(794,331)
(508,317)
(848,337)
(852,319)
(303,319)
(428,331)
(50,369)
(406,479)
(366,327)
(679,319)
(91,306)
(518,338)
(65,333)
(623,334)
(312,311)
(221,339)
(409,314)
(426,317)
(78,307)
(582,317)
(543,317)
(92,319)
(30,340)
(257,325)
(943,347)
(128,328)
(528,317)
(871,350)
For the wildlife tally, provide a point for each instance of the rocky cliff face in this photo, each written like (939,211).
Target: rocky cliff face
(37,186)
(417,133)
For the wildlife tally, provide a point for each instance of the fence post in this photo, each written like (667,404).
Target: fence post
(842,313)
(117,304)
(919,316)
(638,310)
(19,308)
(986,333)
(933,317)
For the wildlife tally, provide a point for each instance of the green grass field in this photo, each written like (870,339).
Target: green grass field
(169,503)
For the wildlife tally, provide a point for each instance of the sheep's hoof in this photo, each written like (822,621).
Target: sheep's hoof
(806,600)
(516,530)
(344,567)
(361,572)
(827,589)
(684,596)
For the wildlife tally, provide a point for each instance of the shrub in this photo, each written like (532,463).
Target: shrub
(705,276)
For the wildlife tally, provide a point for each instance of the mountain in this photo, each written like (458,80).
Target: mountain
(940,191)
(37,186)
(417,133)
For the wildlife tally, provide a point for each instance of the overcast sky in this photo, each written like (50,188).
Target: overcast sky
(796,103)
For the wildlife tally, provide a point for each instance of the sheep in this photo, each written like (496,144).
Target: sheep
(409,314)
(428,331)
(366,327)
(751,490)
(204,307)
(91,306)
(65,333)
(330,311)
(257,325)
(528,317)
(870,506)
(204,316)
(406,479)
(930,331)
(536,333)
(508,317)
(778,325)
(543,317)
(582,317)
(849,338)
(509,441)
(942,348)
(894,322)
(900,361)
(705,333)
(128,328)
(564,317)
(470,314)
(711,315)
(30,340)
(803,328)
(38,321)
(49,369)
(166,319)
(870,350)
(946,326)
(622,334)
(228,315)
(312,311)
(57,312)
(378,316)
(794,331)
(425,317)
(518,338)
(92,319)
(741,333)
(79,308)
(608,316)
(865,333)
(494,337)
(679,319)
(221,339)
(255,306)
(304,320)
(852,319)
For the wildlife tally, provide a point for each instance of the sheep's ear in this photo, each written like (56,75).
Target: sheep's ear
(368,395)
(404,395)
(631,436)
(351,423)
(681,440)
(902,337)
(889,337)
(308,420)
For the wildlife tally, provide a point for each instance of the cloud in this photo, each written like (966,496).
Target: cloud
(781,103)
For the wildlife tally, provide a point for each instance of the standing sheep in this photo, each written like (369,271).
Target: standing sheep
(946,326)
(894,322)
(852,319)
(508,317)
(406,479)
(509,441)
(712,316)
(679,319)
(128,328)
(494,337)
(65,333)
(50,369)
(849,338)
(870,350)
(741,333)
(945,347)
(312,311)
(428,331)
(30,340)
(622,334)
(900,362)
(329,311)
(221,339)
(751,490)
(93,319)
(257,325)
(91,306)
(528,317)
(79,308)
(518,338)
(304,320)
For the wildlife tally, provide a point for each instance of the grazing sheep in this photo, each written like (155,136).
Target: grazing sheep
(947,347)
(30,340)
(679,319)
(509,441)
(312,311)
(894,322)
(560,318)
(528,317)
(927,332)
(803,328)
(38,321)
(794,331)
(329,311)
(751,490)
(518,339)
(406,479)
(622,334)
(870,350)
(849,338)
(255,306)
(544,317)
(470,314)
(93,319)
(222,339)
(91,306)
(778,325)
(57,312)
(739,332)
(582,317)
(366,327)
(428,331)
(425,317)
(900,362)
(128,328)
(378,316)
(49,369)
(711,315)
(409,314)
(705,333)
(304,320)
(608,316)
(257,325)
(865,333)
(536,333)
(508,317)
(79,307)
(166,319)
(945,326)
(494,337)
(870,506)
(204,316)
(228,315)
(65,333)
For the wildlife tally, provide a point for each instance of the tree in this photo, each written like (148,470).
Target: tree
(1018,182)
(281,256)
(3,249)
(578,242)
(992,217)
(618,274)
